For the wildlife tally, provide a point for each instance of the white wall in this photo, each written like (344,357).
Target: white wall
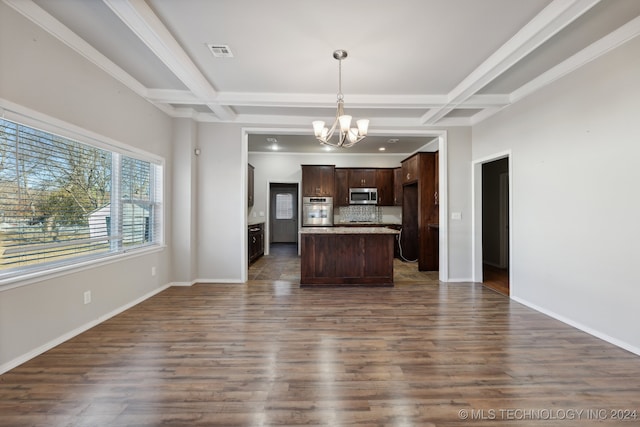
(41,74)
(575,220)
(458,199)
(185,209)
(221,204)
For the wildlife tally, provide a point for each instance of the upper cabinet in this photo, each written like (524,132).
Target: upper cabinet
(397,187)
(250,184)
(318,180)
(380,178)
(410,169)
(341,188)
(384,184)
(362,178)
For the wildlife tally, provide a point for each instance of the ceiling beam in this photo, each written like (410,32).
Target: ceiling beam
(301,100)
(139,17)
(552,19)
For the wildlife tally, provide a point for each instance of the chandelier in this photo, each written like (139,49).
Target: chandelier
(346,135)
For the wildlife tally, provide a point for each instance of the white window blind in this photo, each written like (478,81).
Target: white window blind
(284,206)
(63,201)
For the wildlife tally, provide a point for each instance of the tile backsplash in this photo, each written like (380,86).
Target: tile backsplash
(360,213)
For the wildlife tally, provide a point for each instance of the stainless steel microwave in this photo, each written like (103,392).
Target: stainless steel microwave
(363,196)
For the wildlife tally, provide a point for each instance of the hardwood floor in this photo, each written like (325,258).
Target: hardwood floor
(496,278)
(268,353)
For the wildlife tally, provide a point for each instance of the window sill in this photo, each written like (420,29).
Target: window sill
(53,272)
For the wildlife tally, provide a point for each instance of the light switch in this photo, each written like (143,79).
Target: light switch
(456,215)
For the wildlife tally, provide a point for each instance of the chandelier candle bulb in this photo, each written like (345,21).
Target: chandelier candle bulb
(363,126)
(318,127)
(345,123)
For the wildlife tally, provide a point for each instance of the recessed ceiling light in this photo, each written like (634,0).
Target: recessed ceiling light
(392,140)
(381,149)
(274,147)
(327,148)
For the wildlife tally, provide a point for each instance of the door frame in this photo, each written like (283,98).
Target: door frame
(476,226)
(268,213)
(443,193)
(267,220)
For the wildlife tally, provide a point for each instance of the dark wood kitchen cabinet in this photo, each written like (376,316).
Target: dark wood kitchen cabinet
(256,242)
(341,189)
(347,256)
(380,178)
(420,216)
(384,184)
(318,180)
(410,169)
(362,178)
(397,187)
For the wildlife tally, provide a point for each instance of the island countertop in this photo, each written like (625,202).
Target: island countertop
(348,230)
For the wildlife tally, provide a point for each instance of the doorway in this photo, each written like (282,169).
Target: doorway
(283,214)
(495,225)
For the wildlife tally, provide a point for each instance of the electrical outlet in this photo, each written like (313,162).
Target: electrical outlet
(153,271)
(87,297)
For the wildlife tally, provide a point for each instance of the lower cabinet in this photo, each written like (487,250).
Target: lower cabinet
(256,242)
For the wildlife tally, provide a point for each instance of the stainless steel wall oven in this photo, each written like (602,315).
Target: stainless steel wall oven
(317,211)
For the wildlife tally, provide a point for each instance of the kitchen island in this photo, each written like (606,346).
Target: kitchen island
(347,256)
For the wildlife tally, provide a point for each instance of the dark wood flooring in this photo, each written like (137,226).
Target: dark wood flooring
(268,353)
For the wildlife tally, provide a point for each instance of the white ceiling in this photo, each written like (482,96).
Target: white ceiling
(414,66)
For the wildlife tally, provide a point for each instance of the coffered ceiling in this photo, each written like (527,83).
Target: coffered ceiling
(414,66)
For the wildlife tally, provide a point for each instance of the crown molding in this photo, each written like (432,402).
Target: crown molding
(40,17)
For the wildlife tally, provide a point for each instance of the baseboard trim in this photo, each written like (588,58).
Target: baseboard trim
(5,367)
(459,280)
(218,281)
(580,326)
(184,284)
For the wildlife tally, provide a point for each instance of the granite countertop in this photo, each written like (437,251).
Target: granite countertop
(348,230)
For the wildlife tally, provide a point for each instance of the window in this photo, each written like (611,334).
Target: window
(284,206)
(63,201)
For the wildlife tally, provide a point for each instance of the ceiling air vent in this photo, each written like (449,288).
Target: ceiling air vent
(220,50)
